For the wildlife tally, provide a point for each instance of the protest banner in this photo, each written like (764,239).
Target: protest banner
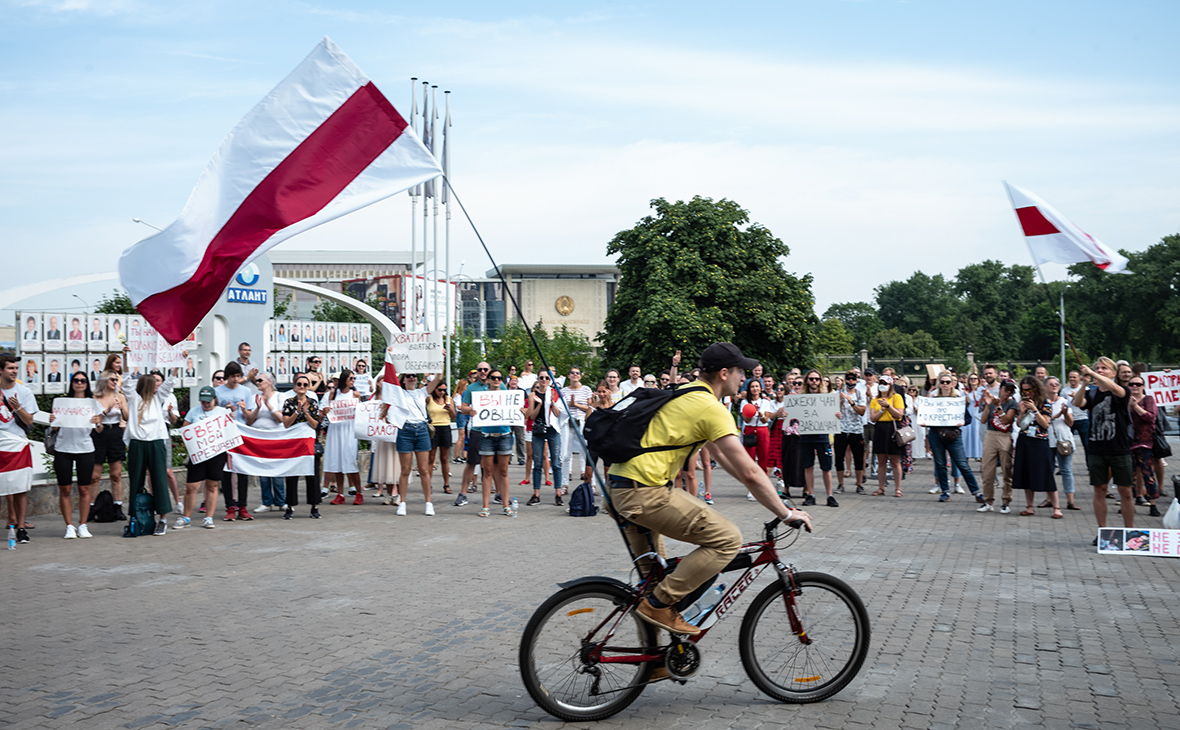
(816,412)
(343,409)
(73,412)
(416,352)
(1150,542)
(1164,388)
(370,426)
(941,411)
(150,350)
(498,408)
(211,436)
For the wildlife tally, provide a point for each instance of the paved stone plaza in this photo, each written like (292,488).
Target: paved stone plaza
(366,620)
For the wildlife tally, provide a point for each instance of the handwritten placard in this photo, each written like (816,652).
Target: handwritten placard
(211,436)
(73,412)
(370,426)
(343,409)
(816,412)
(1152,542)
(941,411)
(1164,388)
(150,350)
(416,352)
(498,408)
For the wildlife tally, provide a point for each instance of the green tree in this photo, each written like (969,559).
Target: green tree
(833,339)
(563,350)
(995,297)
(282,306)
(893,342)
(859,319)
(117,302)
(696,273)
(916,303)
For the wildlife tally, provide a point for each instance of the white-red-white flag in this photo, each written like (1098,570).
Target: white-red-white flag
(402,406)
(323,143)
(16,464)
(1054,238)
(284,452)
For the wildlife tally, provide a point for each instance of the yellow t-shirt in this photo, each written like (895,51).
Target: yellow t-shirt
(438,412)
(694,417)
(895,400)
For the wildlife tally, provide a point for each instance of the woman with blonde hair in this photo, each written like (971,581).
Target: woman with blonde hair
(948,440)
(147,426)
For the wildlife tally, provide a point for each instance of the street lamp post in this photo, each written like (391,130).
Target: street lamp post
(1061,315)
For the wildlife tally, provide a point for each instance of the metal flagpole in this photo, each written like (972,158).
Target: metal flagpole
(434,275)
(414,191)
(429,188)
(446,165)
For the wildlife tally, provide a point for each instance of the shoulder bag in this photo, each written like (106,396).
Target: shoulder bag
(903,435)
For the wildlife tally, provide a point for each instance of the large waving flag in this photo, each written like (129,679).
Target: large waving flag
(1053,238)
(402,406)
(16,464)
(283,452)
(323,143)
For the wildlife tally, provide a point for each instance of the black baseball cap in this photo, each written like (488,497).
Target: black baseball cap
(721,355)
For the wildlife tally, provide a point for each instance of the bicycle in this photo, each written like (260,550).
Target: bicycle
(577,664)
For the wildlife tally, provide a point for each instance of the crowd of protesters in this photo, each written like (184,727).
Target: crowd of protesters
(1020,434)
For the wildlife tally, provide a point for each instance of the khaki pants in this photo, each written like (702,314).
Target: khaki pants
(681,516)
(997,446)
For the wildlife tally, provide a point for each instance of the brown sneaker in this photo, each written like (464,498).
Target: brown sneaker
(666,618)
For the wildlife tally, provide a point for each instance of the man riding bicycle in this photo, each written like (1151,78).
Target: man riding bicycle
(641,488)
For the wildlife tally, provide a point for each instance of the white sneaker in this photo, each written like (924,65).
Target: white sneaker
(84,531)
(959,489)
(750,497)
(280,508)
(1005,510)
(985,507)
(401,509)
(179,506)
(935,490)
(208,523)
(430,509)
(261,508)
(181,523)
(71,533)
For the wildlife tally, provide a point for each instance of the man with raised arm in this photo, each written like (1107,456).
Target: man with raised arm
(641,488)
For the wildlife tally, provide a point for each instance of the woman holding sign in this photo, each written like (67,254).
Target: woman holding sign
(944,440)
(413,438)
(814,446)
(76,450)
(340,448)
(207,472)
(147,426)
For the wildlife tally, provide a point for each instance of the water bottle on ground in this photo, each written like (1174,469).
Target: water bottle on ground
(515,505)
(704,604)
(12,537)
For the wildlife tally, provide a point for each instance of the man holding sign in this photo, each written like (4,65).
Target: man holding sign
(208,435)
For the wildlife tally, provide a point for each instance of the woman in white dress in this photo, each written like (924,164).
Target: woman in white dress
(340,448)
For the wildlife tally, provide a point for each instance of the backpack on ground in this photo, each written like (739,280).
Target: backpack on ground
(142,520)
(615,434)
(103,509)
(582,501)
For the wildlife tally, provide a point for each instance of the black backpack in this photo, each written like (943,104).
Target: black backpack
(582,501)
(142,521)
(615,434)
(104,507)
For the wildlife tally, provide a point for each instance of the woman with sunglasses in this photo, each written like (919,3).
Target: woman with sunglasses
(1032,467)
(547,416)
(341,445)
(441,410)
(75,450)
(495,453)
(303,408)
(947,441)
(147,426)
(318,385)
(1060,430)
(268,416)
(1143,416)
(413,438)
(363,382)
(108,442)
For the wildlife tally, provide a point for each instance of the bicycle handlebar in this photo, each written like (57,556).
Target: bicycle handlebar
(793,524)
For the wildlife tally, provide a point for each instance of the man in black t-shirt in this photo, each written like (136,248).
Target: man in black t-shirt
(1109,455)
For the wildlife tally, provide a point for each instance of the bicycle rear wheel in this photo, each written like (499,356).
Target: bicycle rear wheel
(555,661)
(781,664)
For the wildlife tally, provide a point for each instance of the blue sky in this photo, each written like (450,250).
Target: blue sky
(870,136)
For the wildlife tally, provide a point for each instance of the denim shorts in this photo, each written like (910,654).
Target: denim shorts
(412,437)
(491,444)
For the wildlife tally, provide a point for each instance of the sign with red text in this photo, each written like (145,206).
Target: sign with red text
(1164,388)
(1150,542)
(370,426)
(498,408)
(416,352)
(343,409)
(73,412)
(211,436)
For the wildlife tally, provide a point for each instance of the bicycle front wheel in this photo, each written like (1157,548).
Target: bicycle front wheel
(790,668)
(558,660)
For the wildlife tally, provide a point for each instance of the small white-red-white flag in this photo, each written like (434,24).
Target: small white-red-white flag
(16,464)
(283,452)
(1053,238)
(323,143)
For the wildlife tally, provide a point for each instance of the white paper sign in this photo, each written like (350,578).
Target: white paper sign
(497,408)
(941,411)
(341,410)
(1164,388)
(73,412)
(416,352)
(209,437)
(817,413)
(369,426)
(150,350)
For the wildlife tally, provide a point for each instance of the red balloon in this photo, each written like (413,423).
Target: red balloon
(749,411)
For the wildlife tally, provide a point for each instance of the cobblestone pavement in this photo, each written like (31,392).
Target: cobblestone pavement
(366,620)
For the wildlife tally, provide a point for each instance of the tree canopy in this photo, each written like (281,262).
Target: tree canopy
(698,272)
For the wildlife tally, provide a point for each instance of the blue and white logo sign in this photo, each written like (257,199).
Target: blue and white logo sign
(249,275)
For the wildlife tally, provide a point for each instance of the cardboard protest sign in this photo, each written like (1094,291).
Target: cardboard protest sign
(941,411)
(370,426)
(817,413)
(1149,542)
(211,436)
(498,408)
(416,352)
(149,349)
(73,412)
(1164,388)
(343,409)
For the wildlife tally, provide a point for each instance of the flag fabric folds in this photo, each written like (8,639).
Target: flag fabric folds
(284,452)
(16,464)
(1053,238)
(402,406)
(323,143)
